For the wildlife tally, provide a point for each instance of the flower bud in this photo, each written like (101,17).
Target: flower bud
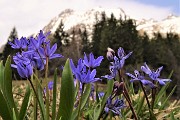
(110,54)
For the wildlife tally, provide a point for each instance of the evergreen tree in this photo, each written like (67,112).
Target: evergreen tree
(96,36)
(61,37)
(7,49)
(85,41)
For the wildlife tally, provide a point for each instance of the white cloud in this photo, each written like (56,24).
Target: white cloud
(29,16)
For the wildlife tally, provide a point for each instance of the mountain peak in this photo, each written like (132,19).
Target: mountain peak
(87,18)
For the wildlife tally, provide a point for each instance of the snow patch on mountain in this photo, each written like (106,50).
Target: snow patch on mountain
(170,24)
(72,18)
(81,19)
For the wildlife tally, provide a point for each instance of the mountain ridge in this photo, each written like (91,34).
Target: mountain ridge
(72,18)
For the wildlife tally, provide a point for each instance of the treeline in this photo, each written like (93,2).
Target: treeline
(161,50)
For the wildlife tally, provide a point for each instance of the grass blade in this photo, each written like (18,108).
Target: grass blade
(25,103)
(83,100)
(54,96)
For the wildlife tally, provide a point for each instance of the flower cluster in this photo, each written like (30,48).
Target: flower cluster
(34,53)
(152,76)
(85,71)
(117,61)
(114,106)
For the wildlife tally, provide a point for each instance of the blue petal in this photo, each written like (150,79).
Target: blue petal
(127,56)
(73,68)
(131,75)
(98,61)
(91,60)
(158,71)
(21,71)
(53,49)
(121,53)
(146,82)
(55,56)
(86,60)
(162,81)
(93,73)
(146,69)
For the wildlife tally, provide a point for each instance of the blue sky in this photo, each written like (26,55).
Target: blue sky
(30,16)
(174,4)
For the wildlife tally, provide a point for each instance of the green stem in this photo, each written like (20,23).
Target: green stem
(35,93)
(34,99)
(47,91)
(79,108)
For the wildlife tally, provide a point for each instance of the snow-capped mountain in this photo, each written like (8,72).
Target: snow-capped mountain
(82,19)
(76,19)
(169,24)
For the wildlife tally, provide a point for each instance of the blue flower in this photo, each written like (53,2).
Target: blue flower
(23,65)
(118,62)
(138,77)
(48,52)
(122,55)
(113,73)
(86,77)
(38,64)
(19,44)
(101,94)
(80,66)
(154,74)
(92,62)
(115,106)
(25,71)
(41,40)
(50,85)
(21,58)
(82,74)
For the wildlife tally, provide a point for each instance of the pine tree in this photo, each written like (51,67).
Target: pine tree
(7,49)
(61,37)
(85,41)
(96,37)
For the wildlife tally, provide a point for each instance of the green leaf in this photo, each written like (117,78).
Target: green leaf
(1,74)
(109,91)
(110,85)
(165,101)
(14,115)
(25,104)
(83,100)
(41,103)
(172,116)
(97,112)
(67,93)
(40,97)
(8,86)
(5,111)
(152,116)
(85,95)
(161,93)
(140,104)
(54,96)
